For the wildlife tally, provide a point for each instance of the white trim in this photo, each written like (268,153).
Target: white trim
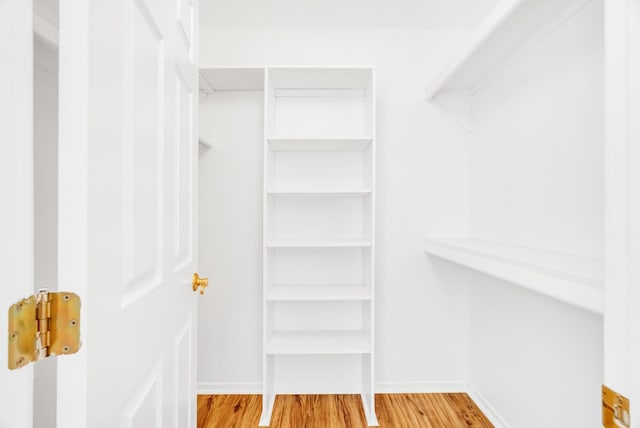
(424,387)
(489,411)
(210,388)
(328,389)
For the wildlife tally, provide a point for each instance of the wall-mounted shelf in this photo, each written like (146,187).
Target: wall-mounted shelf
(341,243)
(318,292)
(337,192)
(226,79)
(512,27)
(318,342)
(571,279)
(319,144)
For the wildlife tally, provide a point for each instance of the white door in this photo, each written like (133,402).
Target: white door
(128,231)
(16,184)
(622,317)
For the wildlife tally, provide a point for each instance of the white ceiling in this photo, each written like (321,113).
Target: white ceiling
(344,13)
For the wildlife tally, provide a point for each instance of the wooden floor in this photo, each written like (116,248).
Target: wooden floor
(342,411)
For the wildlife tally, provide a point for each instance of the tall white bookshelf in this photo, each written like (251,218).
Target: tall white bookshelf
(319,234)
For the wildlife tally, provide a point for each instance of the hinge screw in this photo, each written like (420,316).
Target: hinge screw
(66,297)
(65,349)
(74,322)
(14,335)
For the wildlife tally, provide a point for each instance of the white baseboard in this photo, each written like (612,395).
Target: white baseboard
(381,388)
(208,388)
(335,388)
(425,387)
(486,408)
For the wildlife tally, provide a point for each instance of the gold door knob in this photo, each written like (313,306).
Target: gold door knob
(199,282)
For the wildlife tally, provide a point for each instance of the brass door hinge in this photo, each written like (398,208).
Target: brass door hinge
(615,409)
(43,325)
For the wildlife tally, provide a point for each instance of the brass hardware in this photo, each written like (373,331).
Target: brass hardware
(615,409)
(43,325)
(199,282)
(23,327)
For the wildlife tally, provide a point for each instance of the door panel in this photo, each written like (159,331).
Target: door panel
(140,214)
(16,191)
(183,353)
(183,163)
(144,407)
(143,143)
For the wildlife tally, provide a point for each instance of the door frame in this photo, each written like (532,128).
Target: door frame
(73,197)
(16,181)
(622,206)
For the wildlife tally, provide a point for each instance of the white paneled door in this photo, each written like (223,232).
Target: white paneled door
(622,166)
(128,224)
(16,192)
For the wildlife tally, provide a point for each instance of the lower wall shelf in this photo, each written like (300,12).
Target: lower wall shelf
(318,292)
(571,279)
(318,342)
(299,243)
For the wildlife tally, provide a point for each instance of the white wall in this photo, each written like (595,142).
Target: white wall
(537,158)
(537,181)
(537,361)
(422,311)
(230,313)
(45,137)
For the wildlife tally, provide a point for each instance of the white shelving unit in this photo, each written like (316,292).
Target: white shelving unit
(319,240)
(512,27)
(578,281)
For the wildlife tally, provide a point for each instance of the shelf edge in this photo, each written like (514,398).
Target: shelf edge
(485,30)
(569,291)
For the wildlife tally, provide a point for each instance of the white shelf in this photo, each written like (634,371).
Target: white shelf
(337,243)
(513,26)
(338,144)
(318,292)
(318,342)
(320,77)
(291,192)
(571,279)
(225,79)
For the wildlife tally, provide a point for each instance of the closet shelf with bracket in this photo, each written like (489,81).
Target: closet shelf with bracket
(512,28)
(571,279)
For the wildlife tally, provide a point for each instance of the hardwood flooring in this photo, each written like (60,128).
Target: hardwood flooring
(342,411)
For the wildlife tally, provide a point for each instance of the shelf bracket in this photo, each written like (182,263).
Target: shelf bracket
(457,104)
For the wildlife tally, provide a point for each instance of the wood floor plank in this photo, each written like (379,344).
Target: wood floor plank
(342,411)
